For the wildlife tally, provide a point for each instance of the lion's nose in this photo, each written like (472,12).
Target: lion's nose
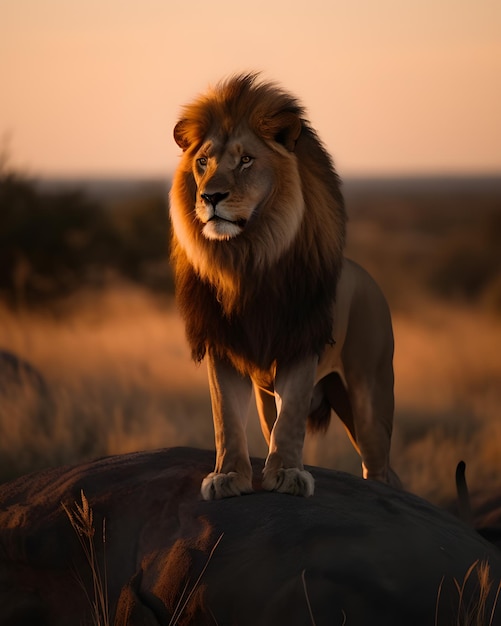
(214,198)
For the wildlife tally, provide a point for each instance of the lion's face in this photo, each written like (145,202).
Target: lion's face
(236,197)
(234,178)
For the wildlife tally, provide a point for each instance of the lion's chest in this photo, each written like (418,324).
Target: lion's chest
(278,321)
(274,327)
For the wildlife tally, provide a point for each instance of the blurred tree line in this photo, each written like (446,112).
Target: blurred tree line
(54,242)
(441,238)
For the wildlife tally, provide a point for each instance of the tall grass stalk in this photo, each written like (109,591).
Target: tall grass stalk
(82,520)
(186,595)
(310,610)
(474,610)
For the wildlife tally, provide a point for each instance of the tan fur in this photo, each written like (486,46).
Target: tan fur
(258,236)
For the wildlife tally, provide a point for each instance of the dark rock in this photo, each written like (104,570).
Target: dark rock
(356,553)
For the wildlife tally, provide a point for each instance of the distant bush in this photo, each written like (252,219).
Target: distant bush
(55,242)
(141,228)
(468,263)
(438,237)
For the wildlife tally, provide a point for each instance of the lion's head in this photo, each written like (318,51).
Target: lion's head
(236,176)
(253,174)
(257,214)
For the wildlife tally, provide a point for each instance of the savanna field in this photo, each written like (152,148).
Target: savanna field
(86,299)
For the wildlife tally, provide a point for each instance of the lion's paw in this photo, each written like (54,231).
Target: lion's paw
(216,486)
(293,481)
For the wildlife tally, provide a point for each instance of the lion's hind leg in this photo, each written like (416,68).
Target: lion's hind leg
(372,407)
(367,414)
(367,367)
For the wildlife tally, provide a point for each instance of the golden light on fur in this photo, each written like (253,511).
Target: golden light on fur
(258,236)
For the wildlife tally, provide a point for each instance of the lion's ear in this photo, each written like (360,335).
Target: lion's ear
(181,134)
(284,128)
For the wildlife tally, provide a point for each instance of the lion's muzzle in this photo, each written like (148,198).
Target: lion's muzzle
(214,198)
(219,221)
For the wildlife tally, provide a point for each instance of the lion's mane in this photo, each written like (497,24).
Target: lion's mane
(258,298)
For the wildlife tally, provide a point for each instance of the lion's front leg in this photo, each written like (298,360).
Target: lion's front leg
(230,397)
(284,471)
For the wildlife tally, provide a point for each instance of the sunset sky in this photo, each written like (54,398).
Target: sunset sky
(94,87)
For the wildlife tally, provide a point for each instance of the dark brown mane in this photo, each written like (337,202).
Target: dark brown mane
(277,313)
(282,321)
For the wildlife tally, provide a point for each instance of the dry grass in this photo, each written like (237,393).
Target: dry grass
(477,599)
(121,379)
(448,392)
(81,518)
(188,592)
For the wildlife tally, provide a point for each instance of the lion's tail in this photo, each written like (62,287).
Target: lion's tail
(464,504)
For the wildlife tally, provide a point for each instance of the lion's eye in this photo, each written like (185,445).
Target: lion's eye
(202,162)
(246,160)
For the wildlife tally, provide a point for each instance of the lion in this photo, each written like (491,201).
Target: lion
(258,234)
